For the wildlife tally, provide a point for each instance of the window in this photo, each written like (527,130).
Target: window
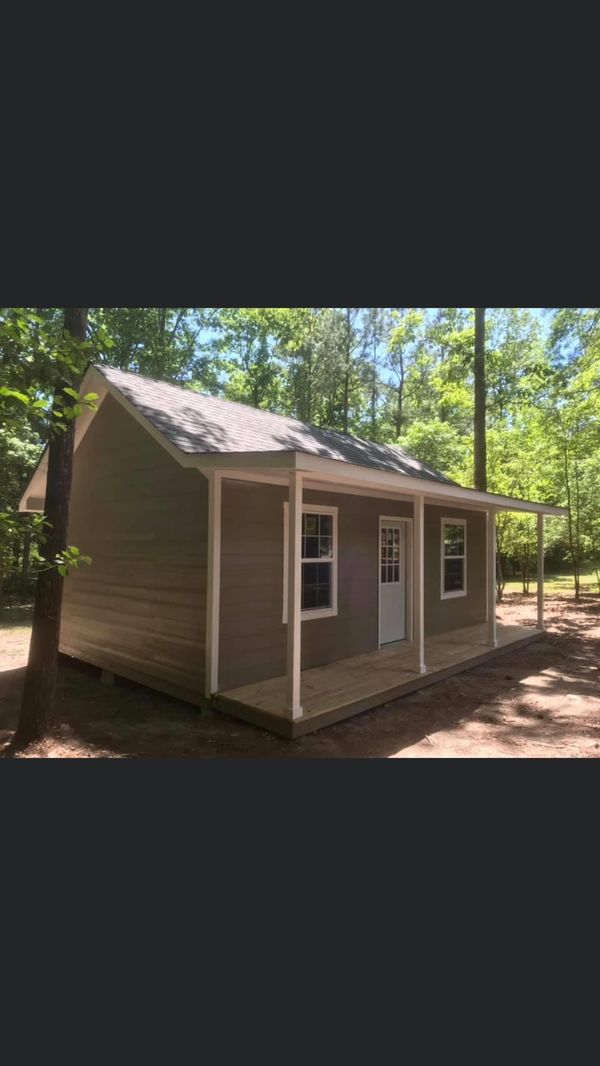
(454,558)
(319,561)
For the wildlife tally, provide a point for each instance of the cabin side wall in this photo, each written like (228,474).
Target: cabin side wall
(139,610)
(442,616)
(252,634)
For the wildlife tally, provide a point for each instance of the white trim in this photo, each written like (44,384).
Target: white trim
(340,470)
(491,577)
(540,572)
(419,583)
(408,545)
(294,598)
(213,584)
(273,477)
(459,593)
(326,612)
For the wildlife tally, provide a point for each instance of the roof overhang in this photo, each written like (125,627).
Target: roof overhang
(335,472)
(272,467)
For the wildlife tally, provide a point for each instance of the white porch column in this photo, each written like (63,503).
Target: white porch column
(540,571)
(294,623)
(213,584)
(419,583)
(492,634)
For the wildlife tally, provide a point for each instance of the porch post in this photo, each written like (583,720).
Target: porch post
(294,623)
(492,634)
(213,585)
(540,571)
(419,583)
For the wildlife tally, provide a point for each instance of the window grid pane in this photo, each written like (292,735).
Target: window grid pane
(454,571)
(317,536)
(316,585)
(454,541)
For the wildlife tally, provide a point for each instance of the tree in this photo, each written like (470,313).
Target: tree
(375,335)
(402,347)
(40,680)
(480,402)
(159,342)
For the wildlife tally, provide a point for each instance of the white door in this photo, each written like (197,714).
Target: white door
(392,582)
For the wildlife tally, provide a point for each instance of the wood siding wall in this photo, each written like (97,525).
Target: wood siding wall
(441,616)
(252,634)
(139,610)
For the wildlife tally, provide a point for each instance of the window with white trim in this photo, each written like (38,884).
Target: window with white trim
(318,561)
(454,558)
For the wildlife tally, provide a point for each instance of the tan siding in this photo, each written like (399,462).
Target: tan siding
(140,608)
(252,634)
(441,616)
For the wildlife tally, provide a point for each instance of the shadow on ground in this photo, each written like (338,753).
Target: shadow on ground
(541,700)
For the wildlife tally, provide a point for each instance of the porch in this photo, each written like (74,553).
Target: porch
(341,689)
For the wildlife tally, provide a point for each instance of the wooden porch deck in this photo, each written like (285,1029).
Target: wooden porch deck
(339,690)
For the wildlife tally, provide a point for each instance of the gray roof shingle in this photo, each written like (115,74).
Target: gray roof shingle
(200,424)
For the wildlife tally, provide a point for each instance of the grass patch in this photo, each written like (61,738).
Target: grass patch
(556,585)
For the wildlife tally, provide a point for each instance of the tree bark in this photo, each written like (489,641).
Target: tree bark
(39,694)
(480,402)
(25,561)
(348,361)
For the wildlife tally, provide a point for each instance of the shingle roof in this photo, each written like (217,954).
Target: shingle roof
(199,424)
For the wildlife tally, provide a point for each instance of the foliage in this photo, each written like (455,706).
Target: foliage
(397,375)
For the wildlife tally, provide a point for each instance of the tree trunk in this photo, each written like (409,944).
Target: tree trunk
(25,561)
(348,358)
(500,581)
(400,405)
(39,694)
(374,389)
(573,544)
(480,402)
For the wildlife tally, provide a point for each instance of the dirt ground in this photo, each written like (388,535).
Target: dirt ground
(542,701)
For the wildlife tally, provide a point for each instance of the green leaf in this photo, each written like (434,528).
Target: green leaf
(72,392)
(14,395)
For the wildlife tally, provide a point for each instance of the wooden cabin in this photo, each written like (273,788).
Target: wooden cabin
(290,575)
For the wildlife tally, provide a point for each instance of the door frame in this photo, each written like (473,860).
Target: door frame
(396,520)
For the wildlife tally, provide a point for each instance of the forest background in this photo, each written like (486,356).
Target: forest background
(404,376)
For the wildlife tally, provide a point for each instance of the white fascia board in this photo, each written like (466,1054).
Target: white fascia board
(94,381)
(36,488)
(332,469)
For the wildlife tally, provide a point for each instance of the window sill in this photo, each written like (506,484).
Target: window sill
(454,595)
(307,616)
(324,612)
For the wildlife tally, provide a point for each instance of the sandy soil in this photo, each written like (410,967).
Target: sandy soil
(542,701)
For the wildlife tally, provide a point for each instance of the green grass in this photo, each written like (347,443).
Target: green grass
(556,585)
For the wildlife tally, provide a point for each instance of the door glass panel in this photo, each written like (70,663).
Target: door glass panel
(391,543)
